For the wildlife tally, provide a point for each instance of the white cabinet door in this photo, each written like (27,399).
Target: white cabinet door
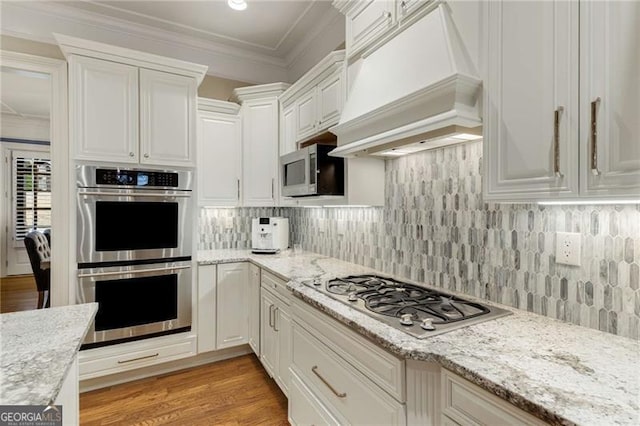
(288,133)
(283,330)
(103,102)
(69,396)
(254,308)
(366,22)
(219,159)
(206,308)
(268,337)
(532,73)
(307,116)
(260,152)
(167,118)
(232,325)
(610,98)
(330,99)
(405,8)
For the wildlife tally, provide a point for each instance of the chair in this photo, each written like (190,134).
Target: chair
(38,250)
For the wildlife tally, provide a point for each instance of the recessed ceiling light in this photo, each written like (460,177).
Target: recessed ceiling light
(237,4)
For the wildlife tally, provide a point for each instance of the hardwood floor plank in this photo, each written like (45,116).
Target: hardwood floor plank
(232,392)
(18,293)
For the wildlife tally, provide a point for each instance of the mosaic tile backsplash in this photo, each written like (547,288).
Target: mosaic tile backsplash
(435,228)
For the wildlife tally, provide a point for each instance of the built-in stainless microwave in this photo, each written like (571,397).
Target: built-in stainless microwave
(312,171)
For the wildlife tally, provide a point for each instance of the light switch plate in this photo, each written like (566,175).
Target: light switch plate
(568,248)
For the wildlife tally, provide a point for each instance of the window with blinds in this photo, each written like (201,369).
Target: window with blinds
(32,192)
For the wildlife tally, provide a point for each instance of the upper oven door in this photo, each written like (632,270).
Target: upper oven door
(125,224)
(298,172)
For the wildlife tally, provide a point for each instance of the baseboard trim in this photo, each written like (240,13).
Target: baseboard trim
(169,367)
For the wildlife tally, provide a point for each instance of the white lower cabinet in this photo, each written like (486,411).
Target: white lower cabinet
(68,397)
(340,377)
(129,356)
(232,294)
(275,329)
(464,403)
(254,308)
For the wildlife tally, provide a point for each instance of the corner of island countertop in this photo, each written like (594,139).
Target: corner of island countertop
(38,348)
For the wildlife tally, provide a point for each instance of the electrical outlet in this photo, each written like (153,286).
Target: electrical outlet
(568,248)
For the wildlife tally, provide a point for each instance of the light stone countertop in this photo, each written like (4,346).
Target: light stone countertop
(559,372)
(37,348)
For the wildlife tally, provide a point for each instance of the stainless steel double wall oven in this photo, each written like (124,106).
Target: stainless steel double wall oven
(134,239)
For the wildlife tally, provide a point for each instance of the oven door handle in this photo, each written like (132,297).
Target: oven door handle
(139,271)
(133,194)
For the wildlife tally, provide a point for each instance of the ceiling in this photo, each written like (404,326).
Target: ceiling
(270,41)
(267,26)
(24,93)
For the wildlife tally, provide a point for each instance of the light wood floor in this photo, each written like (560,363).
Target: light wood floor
(232,392)
(18,293)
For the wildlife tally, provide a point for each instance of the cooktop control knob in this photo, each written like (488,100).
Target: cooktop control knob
(427,324)
(353,297)
(406,319)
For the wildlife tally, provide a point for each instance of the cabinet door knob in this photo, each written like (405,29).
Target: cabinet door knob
(386,14)
(131,154)
(146,155)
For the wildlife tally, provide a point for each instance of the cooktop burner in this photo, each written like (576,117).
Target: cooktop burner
(419,311)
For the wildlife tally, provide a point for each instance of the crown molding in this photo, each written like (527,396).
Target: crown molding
(221,107)
(243,94)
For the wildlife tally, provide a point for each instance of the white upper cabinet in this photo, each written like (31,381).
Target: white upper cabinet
(531,100)
(128,106)
(314,102)
(104,110)
(288,124)
(367,21)
(167,118)
(219,153)
(558,125)
(610,98)
(260,140)
(307,114)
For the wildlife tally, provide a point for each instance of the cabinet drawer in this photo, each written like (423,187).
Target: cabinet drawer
(347,390)
(468,404)
(115,359)
(278,285)
(385,369)
(304,407)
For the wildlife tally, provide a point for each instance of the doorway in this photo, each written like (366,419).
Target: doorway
(35,177)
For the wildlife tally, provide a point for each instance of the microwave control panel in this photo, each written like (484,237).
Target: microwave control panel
(136,178)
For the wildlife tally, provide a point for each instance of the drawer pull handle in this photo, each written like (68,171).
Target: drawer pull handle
(314,369)
(275,319)
(139,359)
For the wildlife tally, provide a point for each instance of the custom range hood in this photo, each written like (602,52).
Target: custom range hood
(417,91)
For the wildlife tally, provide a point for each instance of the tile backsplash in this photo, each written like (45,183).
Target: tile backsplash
(435,228)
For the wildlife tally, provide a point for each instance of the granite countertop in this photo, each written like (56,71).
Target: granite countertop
(37,349)
(559,372)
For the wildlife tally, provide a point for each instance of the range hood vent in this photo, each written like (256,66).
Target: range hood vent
(418,89)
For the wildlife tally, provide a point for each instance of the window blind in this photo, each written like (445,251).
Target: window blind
(32,196)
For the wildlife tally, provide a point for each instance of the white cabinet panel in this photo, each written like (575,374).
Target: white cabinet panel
(305,408)
(232,325)
(167,118)
(69,396)
(288,136)
(260,152)
(254,308)
(330,100)
(366,22)
(283,329)
(219,159)
(610,98)
(532,72)
(206,308)
(103,110)
(268,338)
(306,114)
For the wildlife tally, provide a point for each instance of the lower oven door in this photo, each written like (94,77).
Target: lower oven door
(136,301)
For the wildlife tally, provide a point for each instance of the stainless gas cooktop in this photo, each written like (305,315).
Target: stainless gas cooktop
(416,310)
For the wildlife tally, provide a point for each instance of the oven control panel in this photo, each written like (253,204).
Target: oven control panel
(136,178)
